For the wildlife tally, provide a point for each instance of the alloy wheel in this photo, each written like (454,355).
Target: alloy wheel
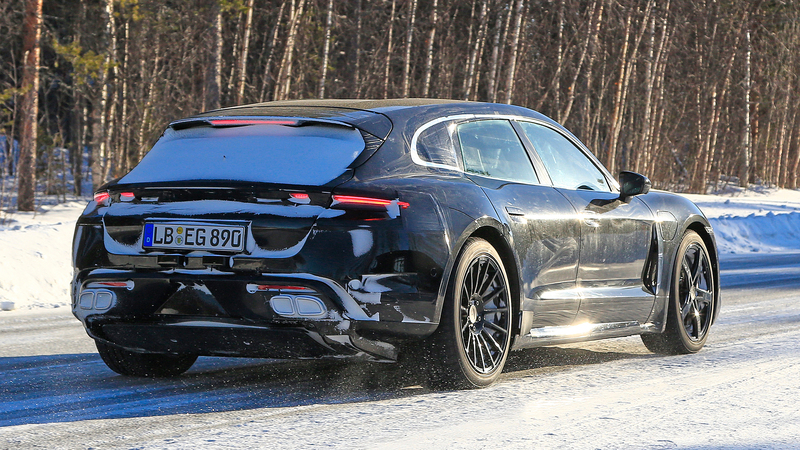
(695,292)
(485,323)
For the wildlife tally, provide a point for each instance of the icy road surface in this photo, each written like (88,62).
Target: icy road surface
(741,391)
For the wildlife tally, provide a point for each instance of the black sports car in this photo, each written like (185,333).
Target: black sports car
(446,233)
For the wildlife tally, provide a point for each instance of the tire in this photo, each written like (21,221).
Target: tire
(134,364)
(471,345)
(691,303)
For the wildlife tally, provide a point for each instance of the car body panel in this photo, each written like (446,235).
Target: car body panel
(578,261)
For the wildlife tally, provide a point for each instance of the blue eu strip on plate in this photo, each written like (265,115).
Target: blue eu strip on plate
(148,234)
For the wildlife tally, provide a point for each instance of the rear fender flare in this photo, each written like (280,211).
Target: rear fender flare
(480,227)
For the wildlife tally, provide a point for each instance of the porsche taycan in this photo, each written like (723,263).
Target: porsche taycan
(438,233)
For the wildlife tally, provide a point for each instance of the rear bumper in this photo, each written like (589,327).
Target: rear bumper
(222,314)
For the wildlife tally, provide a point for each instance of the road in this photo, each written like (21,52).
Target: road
(739,392)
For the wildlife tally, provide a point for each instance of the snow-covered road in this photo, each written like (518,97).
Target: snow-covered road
(739,392)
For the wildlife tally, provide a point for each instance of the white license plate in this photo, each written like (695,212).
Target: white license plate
(194,236)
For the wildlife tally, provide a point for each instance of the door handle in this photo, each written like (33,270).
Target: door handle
(513,211)
(589,218)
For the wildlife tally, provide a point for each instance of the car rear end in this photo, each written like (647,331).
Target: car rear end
(232,238)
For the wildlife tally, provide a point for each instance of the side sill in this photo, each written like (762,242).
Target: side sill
(538,337)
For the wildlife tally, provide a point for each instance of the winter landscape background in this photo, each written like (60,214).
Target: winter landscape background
(738,392)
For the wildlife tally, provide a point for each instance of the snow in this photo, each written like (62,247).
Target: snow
(35,261)
(765,220)
(35,269)
(739,392)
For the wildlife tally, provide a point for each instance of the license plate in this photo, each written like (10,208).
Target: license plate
(194,236)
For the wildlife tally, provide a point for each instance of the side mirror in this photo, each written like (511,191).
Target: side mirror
(632,183)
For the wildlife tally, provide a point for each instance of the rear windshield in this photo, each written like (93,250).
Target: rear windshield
(308,155)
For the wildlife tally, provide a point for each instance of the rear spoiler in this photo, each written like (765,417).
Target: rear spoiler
(239,121)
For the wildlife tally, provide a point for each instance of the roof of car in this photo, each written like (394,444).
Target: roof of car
(347,103)
(373,116)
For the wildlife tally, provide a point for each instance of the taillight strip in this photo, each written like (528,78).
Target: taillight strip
(101,197)
(367,201)
(236,122)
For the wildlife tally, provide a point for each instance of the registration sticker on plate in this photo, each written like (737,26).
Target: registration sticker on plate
(194,236)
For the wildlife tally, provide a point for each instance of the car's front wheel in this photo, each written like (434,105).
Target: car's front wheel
(474,336)
(135,364)
(692,302)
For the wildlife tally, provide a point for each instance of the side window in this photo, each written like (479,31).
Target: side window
(434,145)
(493,149)
(567,165)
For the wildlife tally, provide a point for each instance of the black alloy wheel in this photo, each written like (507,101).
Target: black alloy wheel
(474,335)
(695,292)
(692,301)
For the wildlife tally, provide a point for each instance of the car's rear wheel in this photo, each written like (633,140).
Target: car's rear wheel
(692,301)
(470,347)
(135,364)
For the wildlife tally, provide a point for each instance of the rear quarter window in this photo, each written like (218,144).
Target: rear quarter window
(435,145)
(309,155)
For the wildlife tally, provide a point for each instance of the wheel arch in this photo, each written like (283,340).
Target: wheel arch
(702,229)
(494,233)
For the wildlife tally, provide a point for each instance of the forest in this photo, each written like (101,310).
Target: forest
(693,94)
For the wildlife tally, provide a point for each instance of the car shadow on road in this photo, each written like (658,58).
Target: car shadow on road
(74,387)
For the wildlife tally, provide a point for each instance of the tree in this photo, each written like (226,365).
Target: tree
(32,32)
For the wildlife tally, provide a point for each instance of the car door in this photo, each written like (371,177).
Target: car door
(616,235)
(543,225)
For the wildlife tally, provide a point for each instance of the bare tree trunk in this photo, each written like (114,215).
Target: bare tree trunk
(594,29)
(213,77)
(229,86)
(747,150)
(611,162)
(326,49)
(620,100)
(100,132)
(492,88)
(150,96)
(409,42)
(479,61)
(29,114)
(503,40)
(268,66)
(388,64)
(357,77)
(794,165)
(473,57)
(429,57)
(711,167)
(649,80)
(122,146)
(560,62)
(248,23)
(76,160)
(512,66)
(783,147)
(652,135)
(283,86)
(470,35)
(109,129)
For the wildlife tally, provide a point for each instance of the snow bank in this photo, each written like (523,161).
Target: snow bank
(35,263)
(767,234)
(765,220)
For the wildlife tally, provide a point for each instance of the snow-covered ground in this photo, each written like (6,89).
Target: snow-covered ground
(760,220)
(35,263)
(35,248)
(739,392)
